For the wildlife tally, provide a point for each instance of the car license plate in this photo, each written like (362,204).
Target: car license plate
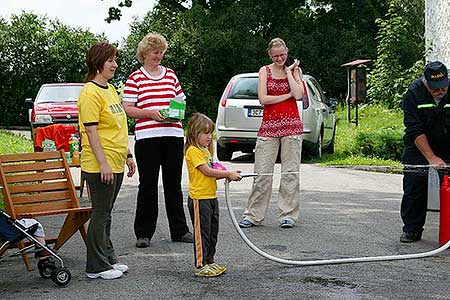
(255,112)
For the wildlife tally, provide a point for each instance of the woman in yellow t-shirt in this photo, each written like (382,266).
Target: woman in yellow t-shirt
(104,137)
(202,201)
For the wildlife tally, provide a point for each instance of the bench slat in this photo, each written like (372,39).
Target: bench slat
(29,167)
(42,207)
(39,187)
(41,197)
(21,157)
(13,178)
(54,212)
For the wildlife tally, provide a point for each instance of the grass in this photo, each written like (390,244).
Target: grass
(370,118)
(12,143)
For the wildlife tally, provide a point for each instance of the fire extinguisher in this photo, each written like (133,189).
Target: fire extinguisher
(444,216)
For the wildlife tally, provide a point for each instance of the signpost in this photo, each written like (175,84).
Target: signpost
(356,86)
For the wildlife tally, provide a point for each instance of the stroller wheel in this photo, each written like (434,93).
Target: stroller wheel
(46,270)
(61,276)
(44,263)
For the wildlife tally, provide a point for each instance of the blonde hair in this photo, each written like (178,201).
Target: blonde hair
(152,41)
(275,43)
(199,123)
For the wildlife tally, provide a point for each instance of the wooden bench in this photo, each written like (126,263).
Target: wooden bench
(40,184)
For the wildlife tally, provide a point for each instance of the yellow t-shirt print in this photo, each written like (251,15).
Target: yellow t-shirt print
(102,106)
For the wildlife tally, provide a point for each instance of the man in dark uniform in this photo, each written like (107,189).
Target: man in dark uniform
(426,108)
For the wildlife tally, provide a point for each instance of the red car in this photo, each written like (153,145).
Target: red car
(55,103)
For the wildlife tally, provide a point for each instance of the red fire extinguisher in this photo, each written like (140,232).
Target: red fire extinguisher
(444,216)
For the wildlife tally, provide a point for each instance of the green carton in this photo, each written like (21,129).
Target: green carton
(176,110)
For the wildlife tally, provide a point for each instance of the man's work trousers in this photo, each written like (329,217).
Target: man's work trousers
(415,201)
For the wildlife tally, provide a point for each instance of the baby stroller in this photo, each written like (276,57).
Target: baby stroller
(11,232)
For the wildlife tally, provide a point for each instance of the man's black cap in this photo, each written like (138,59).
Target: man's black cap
(436,75)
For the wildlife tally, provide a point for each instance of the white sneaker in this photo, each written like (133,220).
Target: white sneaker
(121,267)
(108,274)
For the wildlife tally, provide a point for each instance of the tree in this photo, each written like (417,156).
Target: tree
(34,51)
(114,13)
(400,53)
(202,52)
(210,41)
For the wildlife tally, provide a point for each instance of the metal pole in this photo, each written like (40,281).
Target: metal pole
(356,96)
(349,118)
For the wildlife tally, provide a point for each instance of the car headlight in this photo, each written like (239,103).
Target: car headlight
(43,119)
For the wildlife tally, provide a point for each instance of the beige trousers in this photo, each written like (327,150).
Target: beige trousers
(289,191)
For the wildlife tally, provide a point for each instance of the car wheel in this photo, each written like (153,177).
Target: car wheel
(317,148)
(224,153)
(330,147)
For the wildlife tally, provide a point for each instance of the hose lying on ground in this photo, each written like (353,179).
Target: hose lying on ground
(324,261)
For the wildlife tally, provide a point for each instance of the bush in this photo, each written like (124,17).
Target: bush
(400,54)
(378,134)
(384,143)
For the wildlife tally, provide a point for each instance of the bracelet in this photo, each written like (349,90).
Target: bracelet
(129,155)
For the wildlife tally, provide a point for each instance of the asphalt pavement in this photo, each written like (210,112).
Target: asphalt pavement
(344,213)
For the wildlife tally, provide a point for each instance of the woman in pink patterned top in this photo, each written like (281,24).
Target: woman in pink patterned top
(279,87)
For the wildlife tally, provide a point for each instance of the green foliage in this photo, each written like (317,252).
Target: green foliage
(339,32)
(384,143)
(211,41)
(378,136)
(34,51)
(11,143)
(340,159)
(400,54)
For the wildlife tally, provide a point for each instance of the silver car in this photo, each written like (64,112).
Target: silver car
(239,117)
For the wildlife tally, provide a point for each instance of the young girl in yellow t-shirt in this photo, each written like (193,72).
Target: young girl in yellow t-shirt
(202,201)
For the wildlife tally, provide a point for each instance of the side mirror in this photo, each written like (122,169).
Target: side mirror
(29,100)
(332,103)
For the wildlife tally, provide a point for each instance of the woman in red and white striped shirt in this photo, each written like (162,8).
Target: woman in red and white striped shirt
(159,142)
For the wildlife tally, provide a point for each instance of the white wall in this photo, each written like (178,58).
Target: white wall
(437,30)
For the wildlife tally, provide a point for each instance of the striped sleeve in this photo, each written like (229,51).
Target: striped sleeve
(130,91)
(178,90)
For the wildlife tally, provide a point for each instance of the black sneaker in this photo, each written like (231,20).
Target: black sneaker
(186,238)
(143,242)
(410,237)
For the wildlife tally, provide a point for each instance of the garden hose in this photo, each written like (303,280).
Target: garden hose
(323,261)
